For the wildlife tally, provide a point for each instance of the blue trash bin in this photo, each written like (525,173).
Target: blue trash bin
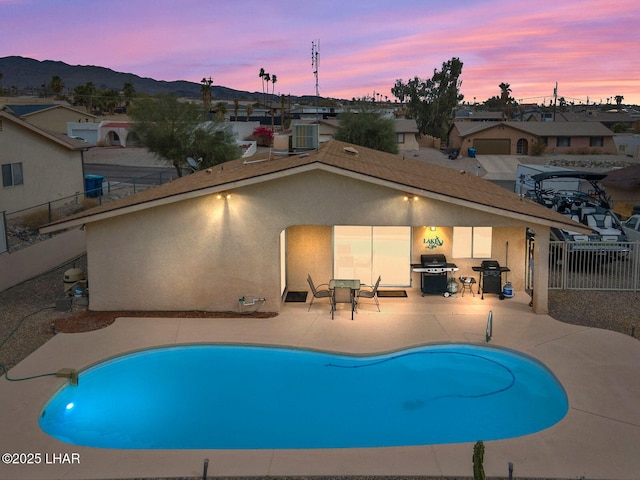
(93,185)
(472,152)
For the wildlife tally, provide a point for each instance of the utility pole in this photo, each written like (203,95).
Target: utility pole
(315,53)
(555,101)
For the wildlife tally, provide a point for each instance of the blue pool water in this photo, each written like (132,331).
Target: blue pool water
(241,397)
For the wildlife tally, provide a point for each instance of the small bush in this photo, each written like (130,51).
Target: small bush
(34,220)
(538,149)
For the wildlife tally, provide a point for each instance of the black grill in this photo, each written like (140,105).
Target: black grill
(491,277)
(434,271)
(433,260)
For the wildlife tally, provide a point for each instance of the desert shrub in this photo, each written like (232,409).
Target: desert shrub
(35,219)
(538,149)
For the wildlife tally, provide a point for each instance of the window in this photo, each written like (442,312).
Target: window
(472,242)
(596,141)
(522,146)
(563,142)
(12,174)
(364,252)
(400,137)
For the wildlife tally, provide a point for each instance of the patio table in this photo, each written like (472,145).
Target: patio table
(351,283)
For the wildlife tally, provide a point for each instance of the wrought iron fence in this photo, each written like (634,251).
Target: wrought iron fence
(594,266)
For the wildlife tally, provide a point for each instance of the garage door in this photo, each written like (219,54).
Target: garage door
(492,146)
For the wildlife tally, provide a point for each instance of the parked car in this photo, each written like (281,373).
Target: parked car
(632,228)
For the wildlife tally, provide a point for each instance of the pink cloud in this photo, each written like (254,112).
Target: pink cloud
(587,46)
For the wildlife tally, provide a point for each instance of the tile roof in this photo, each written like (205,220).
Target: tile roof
(22,110)
(410,175)
(64,140)
(540,129)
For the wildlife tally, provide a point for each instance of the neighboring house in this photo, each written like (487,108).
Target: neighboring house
(608,119)
(38,166)
(113,133)
(623,186)
(467,115)
(406,131)
(53,117)
(255,228)
(520,138)
(628,145)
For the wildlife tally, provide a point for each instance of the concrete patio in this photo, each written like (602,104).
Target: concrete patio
(598,439)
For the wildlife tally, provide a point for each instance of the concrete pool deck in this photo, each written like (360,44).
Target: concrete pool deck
(600,370)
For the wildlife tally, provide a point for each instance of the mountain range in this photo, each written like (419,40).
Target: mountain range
(26,76)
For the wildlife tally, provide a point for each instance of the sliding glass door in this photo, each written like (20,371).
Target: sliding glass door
(368,252)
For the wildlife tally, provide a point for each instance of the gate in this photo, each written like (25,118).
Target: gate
(592,266)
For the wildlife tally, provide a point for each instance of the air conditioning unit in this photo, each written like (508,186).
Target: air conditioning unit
(305,137)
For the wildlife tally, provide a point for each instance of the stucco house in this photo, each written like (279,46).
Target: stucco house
(255,228)
(520,138)
(38,166)
(406,131)
(53,117)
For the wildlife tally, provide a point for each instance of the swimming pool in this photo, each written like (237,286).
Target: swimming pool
(250,397)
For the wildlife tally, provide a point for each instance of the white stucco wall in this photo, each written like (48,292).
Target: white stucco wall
(206,253)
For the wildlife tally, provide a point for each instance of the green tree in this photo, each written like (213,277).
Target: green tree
(85,95)
(236,108)
(367,128)
(128,92)
(432,102)
(174,130)
(221,110)
(205,89)
(56,86)
(506,101)
(110,100)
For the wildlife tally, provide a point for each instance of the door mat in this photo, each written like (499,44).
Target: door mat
(392,293)
(296,297)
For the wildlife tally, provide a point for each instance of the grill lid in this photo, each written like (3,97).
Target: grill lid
(490,265)
(433,260)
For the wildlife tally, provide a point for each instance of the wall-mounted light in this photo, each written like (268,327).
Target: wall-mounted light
(223,195)
(433,229)
(407,198)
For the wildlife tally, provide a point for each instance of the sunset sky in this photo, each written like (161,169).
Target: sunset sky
(590,47)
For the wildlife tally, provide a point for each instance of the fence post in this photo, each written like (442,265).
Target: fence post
(4,240)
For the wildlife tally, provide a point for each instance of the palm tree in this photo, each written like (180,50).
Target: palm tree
(128,92)
(505,100)
(619,99)
(274,79)
(205,89)
(267,78)
(221,110)
(236,107)
(262,75)
(249,111)
(110,100)
(56,85)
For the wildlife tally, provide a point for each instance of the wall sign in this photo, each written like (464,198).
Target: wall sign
(432,243)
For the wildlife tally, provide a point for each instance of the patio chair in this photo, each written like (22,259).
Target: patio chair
(318,292)
(343,295)
(373,293)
